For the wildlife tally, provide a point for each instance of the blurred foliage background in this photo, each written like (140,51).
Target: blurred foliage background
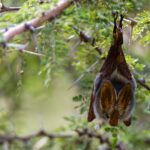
(35,91)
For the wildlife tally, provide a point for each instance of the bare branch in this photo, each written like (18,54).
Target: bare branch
(143,83)
(22,49)
(46,16)
(87,39)
(6,9)
(42,133)
(130,21)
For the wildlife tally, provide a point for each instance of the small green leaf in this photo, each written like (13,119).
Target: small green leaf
(77,98)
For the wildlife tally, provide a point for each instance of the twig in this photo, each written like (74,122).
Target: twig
(142,83)
(88,70)
(42,133)
(4,8)
(130,21)
(30,52)
(87,39)
(22,49)
(46,16)
(92,134)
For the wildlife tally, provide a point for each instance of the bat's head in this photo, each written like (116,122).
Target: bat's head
(117,32)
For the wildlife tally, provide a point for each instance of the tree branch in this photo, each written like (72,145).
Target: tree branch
(142,83)
(6,9)
(77,133)
(46,16)
(21,48)
(87,39)
(43,133)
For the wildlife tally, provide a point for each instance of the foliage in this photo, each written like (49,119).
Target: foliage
(65,54)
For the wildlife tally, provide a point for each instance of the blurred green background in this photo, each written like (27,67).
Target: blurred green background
(35,92)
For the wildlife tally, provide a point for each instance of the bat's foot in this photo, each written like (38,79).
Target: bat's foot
(127,122)
(114,118)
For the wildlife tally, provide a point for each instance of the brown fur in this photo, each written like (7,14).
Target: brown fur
(113,91)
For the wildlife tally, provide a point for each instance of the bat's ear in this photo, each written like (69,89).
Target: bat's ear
(115,21)
(117,31)
(120,22)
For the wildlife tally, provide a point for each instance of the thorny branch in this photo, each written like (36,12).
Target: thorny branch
(74,134)
(22,49)
(45,16)
(34,24)
(87,39)
(143,83)
(41,133)
(4,8)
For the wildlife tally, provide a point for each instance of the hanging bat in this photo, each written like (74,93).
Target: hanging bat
(112,97)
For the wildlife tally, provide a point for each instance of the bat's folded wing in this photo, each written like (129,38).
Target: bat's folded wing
(97,82)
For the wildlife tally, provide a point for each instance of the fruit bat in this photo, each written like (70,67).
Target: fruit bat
(112,97)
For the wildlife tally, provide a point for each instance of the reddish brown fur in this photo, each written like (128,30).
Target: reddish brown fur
(112,105)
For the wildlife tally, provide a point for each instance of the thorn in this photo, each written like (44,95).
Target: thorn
(28,26)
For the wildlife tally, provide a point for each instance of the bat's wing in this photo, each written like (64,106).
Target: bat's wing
(107,96)
(124,98)
(97,82)
(108,100)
